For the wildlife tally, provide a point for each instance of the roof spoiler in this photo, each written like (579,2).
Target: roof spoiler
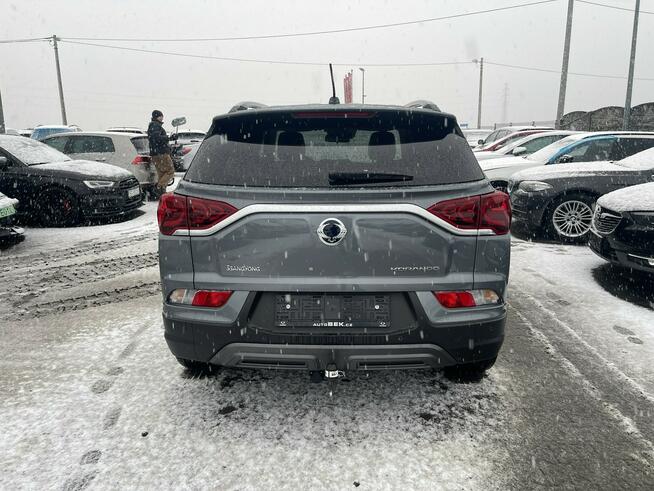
(423,104)
(245,105)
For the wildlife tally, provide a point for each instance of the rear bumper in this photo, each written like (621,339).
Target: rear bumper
(310,357)
(464,338)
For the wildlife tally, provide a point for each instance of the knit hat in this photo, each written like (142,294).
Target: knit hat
(156,114)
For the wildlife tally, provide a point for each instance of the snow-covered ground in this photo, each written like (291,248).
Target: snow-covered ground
(91,397)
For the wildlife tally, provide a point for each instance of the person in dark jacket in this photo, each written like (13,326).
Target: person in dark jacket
(160,152)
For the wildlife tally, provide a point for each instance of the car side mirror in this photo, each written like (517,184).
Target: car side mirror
(564,159)
(177,122)
(480,142)
(519,150)
(4,162)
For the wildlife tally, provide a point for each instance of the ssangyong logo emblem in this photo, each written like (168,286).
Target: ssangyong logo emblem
(331,231)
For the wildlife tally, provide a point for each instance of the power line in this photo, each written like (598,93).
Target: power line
(26,40)
(252,60)
(546,70)
(311,63)
(615,7)
(316,33)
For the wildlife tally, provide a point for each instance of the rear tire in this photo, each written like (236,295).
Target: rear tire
(198,367)
(58,208)
(468,372)
(569,217)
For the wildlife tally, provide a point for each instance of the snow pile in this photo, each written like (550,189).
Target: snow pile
(633,198)
(6,201)
(89,168)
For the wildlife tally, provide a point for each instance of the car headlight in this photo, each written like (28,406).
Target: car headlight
(534,186)
(99,184)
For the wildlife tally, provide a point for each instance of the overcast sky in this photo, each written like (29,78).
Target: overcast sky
(107,87)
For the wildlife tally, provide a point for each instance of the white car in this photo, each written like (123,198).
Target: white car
(505,131)
(131,151)
(581,147)
(127,129)
(8,232)
(184,137)
(526,145)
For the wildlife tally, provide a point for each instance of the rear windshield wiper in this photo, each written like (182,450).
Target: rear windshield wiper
(337,178)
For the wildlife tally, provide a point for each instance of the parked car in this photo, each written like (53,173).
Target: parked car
(127,129)
(188,156)
(623,226)
(505,140)
(27,132)
(131,151)
(505,131)
(8,231)
(59,191)
(583,147)
(40,132)
(560,198)
(328,237)
(474,136)
(524,146)
(189,136)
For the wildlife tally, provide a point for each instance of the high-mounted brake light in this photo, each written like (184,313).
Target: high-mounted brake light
(487,211)
(141,159)
(178,212)
(334,115)
(467,298)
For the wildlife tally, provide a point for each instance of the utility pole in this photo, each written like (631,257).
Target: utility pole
(630,77)
(2,117)
(64,120)
(564,68)
(481,86)
(505,104)
(363,85)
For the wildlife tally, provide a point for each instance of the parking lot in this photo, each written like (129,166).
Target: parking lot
(97,399)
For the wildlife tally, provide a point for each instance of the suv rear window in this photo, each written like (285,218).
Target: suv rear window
(328,149)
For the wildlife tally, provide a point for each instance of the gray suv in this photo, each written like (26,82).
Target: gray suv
(331,238)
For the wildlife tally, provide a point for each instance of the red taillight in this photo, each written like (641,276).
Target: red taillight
(461,212)
(213,299)
(141,159)
(455,300)
(488,211)
(177,212)
(496,212)
(203,213)
(172,213)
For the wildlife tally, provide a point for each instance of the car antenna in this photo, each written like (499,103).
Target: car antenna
(333,99)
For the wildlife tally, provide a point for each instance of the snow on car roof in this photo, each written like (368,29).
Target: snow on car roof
(632,198)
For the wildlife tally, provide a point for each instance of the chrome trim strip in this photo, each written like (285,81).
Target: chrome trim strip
(650,260)
(332,209)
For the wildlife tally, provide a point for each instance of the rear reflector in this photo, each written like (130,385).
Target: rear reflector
(467,298)
(199,298)
(487,211)
(178,212)
(209,298)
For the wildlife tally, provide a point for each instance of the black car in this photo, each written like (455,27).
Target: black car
(623,227)
(561,198)
(58,191)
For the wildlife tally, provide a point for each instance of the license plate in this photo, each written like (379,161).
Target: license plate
(133,192)
(9,210)
(333,311)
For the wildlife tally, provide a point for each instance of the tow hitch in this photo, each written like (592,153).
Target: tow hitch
(330,374)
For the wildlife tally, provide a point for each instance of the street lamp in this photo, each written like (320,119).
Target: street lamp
(363,85)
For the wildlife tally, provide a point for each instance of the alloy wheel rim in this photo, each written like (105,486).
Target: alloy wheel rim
(572,218)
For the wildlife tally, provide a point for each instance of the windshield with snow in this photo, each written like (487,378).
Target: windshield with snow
(31,152)
(545,154)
